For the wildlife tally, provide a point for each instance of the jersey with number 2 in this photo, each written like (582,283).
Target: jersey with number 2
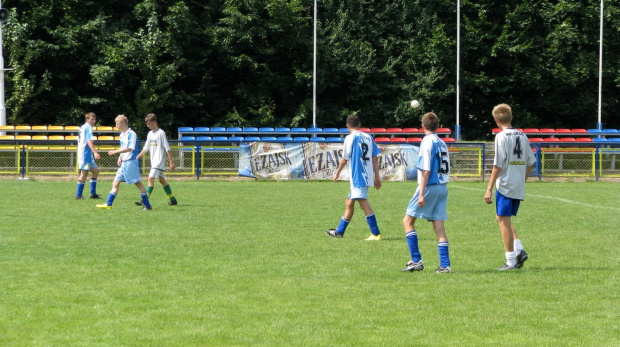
(359,148)
(434,157)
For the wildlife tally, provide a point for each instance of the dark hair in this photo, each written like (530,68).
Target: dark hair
(430,121)
(353,121)
(151,117)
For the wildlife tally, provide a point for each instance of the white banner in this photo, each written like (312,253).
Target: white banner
(319,160)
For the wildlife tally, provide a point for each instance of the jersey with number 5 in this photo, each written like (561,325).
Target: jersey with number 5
(359,148)
(513,155)
(434,157)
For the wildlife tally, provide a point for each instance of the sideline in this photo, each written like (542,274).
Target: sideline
(544,197)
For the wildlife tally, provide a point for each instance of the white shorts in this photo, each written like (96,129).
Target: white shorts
(156,173)
(358,193)
(129,172)
(435,203)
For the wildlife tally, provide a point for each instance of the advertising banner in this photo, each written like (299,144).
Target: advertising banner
(319,161)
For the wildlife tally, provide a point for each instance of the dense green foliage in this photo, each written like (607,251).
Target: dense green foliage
(249,62)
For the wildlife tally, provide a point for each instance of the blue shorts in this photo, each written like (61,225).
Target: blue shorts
(129,172)
(506,207)
(435,203)
(358,193)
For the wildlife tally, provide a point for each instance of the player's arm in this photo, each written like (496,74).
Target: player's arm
(341,165)
(375,165)
(424,175)
(170,161)
(91,144)
(143,152)
(494,175)
(528,170)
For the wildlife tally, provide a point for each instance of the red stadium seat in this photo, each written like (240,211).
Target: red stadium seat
(567,139)
(366,130)
(399,140)
(414,139)
(583,139)
(552,139)
(411,130)
(496,130)
(579,131)
(531,131)
(378,130)
(382,139)
(444,131)
(536,139)
(562,131)
(448,139)
(547,131)
(394,130)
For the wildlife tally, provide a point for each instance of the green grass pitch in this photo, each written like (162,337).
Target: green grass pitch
(248,264)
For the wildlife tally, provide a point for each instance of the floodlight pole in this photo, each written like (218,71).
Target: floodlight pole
(599,124)
(314,125)
(457,127)
(2,107)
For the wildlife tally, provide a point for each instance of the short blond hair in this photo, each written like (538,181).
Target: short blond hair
(121,118)
(502,114)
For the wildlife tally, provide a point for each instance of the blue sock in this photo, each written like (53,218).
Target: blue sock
(80,188)
(372,223)
(412,242)
(93,186)
(444,256)
(342,226)
(145,199)
(111,198)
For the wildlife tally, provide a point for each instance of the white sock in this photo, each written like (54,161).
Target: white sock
(518,246)
(511,258)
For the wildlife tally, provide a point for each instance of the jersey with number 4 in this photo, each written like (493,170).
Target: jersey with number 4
(359,148)
(434,157)
(513,155)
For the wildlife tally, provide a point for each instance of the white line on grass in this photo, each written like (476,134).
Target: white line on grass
(547,197)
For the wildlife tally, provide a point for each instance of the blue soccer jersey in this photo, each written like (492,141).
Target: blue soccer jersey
(359,149)
(129,139)
(434,157)
(85,154)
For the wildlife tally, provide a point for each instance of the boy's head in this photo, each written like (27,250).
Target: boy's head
(91,118)
(121,122)
(151,121)
(502,114)
(353,121)
(430,122)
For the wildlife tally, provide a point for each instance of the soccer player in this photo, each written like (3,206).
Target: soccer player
(129,170)
(87,154)
(360,151)
(430,200)
(157,145)
(512,165)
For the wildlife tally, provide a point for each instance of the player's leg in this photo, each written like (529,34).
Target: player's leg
(94,170)
(344,220)
(415,264)
(167,189)
(505,209)
(442,247)
(112,195)
(80,184)
(371,219)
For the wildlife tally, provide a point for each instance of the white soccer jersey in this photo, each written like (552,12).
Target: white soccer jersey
(512,154)
(359,149)
(129,140)
(434,157)
(158,146)
(85,154)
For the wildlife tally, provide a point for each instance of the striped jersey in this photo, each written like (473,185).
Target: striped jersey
(434,157)
(85,154)
(129,140)
(359,149)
